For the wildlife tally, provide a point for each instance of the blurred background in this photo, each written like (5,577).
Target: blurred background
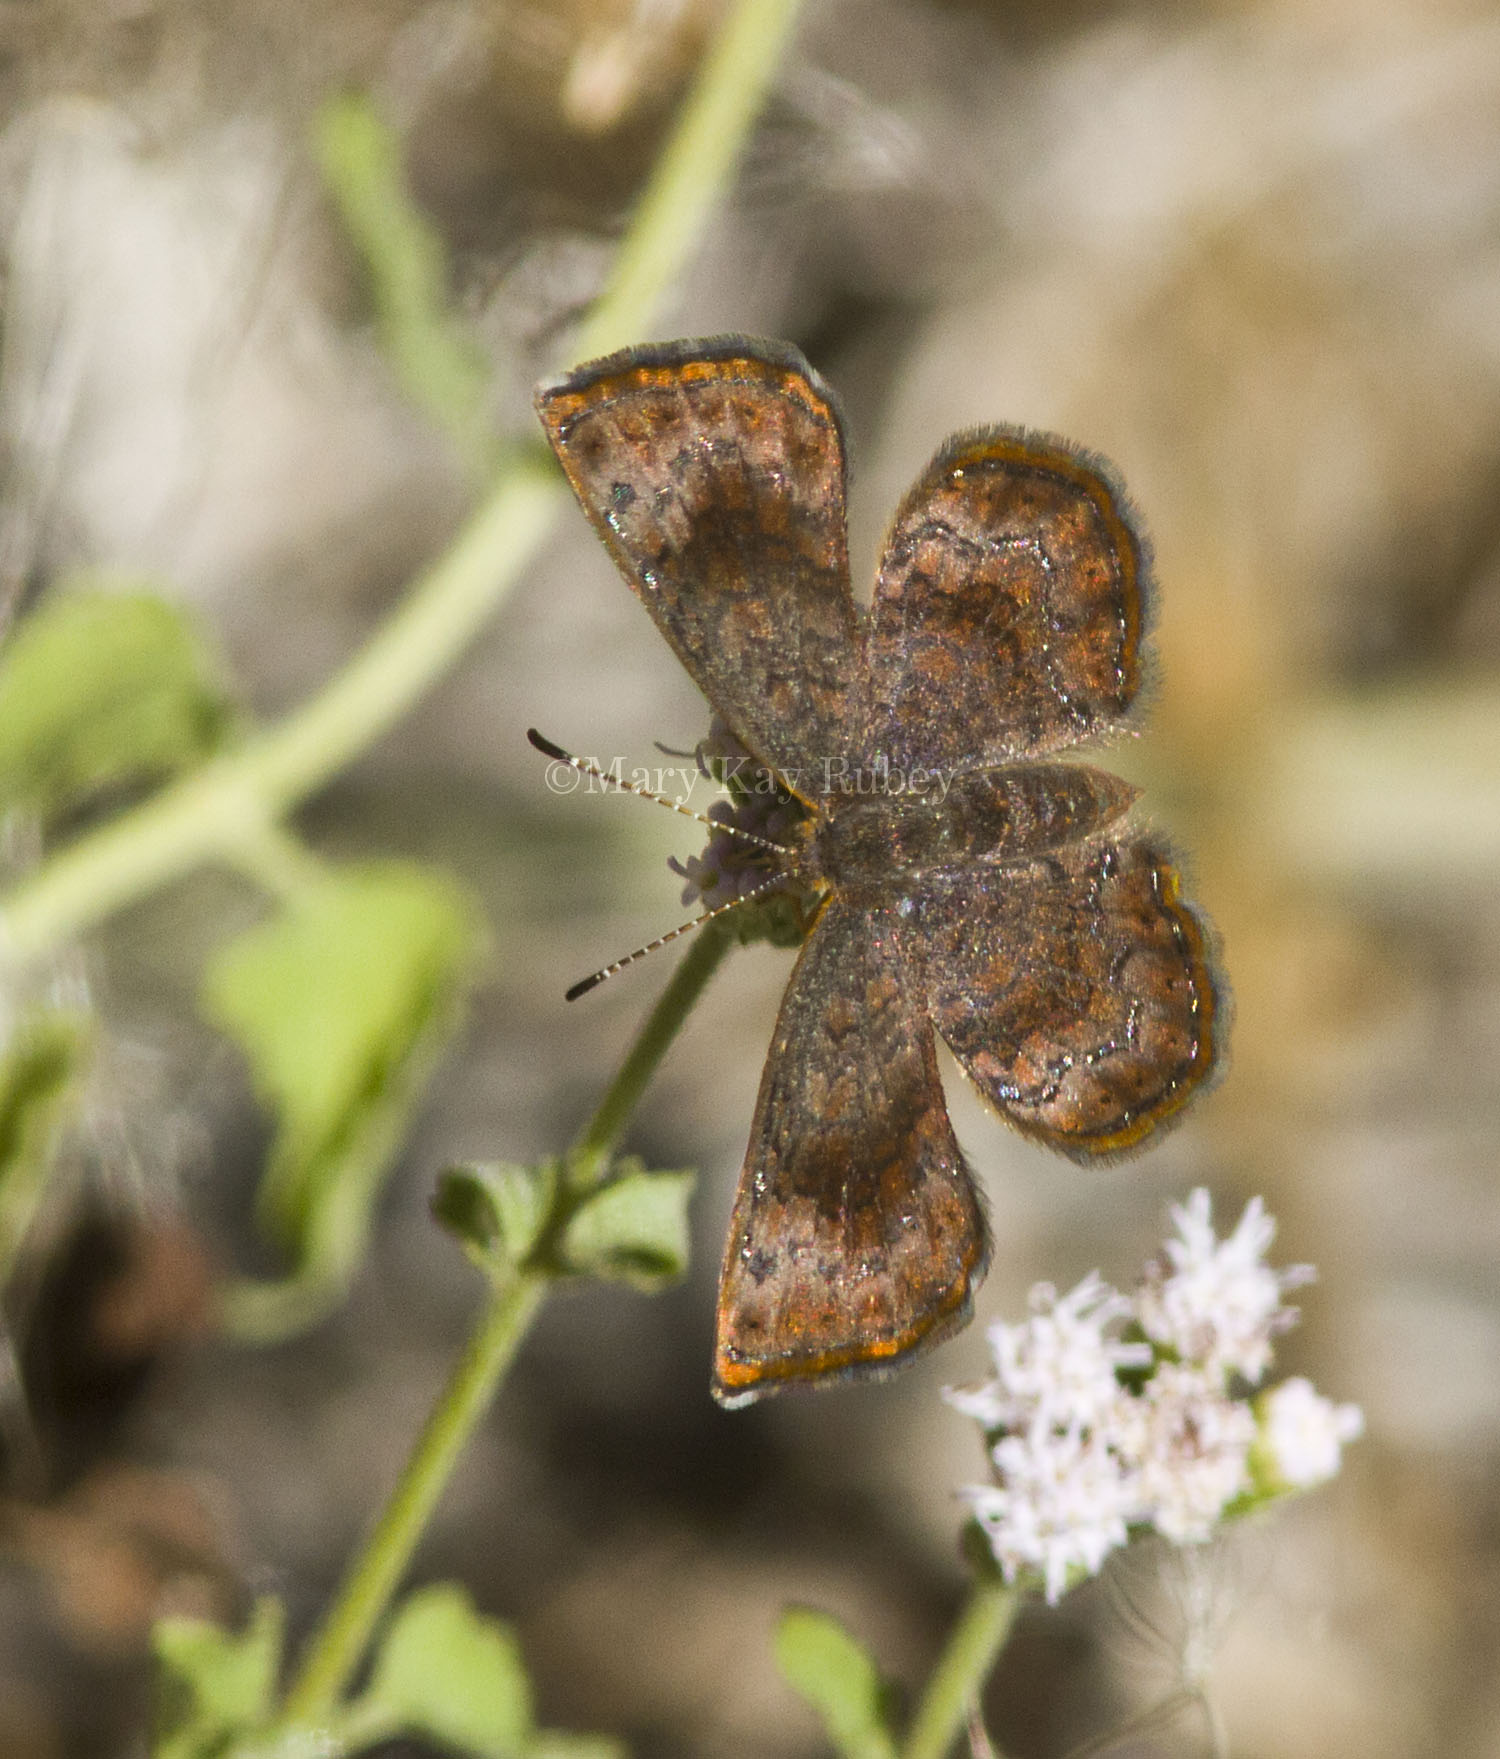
(1248,250)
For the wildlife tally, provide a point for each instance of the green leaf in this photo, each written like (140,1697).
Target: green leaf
(441,370)
(634,1229)
(341,1004)
(446,1671)
(46,1052)
(496,1209)
(214,1684)
(98,688)
(821,1661)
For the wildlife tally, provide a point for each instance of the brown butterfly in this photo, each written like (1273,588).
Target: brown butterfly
(996,895)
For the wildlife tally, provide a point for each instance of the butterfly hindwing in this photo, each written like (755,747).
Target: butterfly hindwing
(1077,990)
(1009,609)
(857,1234)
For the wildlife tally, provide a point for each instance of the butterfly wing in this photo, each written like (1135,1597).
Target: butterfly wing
(714,473)
(1009,609)
(857,1234)
(1076,990)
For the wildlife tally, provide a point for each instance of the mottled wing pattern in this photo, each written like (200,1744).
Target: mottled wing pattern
(1009,609)
(714,472)
(1076,990)
(857,1233)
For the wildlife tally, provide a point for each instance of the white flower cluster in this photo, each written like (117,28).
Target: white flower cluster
(1092,1433)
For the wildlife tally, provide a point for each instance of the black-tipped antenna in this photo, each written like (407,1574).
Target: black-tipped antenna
(582,988)
(556,752)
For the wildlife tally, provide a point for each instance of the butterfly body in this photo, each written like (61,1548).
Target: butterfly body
(984,816)
(962,880)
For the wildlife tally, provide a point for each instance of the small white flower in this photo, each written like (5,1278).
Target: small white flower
(1192,1446)
(1221,1303)
(1091,1437)
(1304,1434)
(1061,1504)
(1061,1365)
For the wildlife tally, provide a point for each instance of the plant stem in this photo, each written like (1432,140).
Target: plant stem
(963,1667)
(209,814)
(337,1648)
(279,863)
(694,169)
(590,1154)
(205,815)
(202,817)
(367,1589)
(373,1578)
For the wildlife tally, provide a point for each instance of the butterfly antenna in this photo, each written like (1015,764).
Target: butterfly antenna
(558,755)
(582,988)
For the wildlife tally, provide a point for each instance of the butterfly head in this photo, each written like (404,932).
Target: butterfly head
(758,810)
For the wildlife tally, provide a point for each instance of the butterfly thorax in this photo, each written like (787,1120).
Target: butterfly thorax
(1014,813)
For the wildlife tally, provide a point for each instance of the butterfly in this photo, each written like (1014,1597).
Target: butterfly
(965,881)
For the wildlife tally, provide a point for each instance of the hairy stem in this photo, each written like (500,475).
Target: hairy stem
(691,174)
(962,1669)
(373,1577)
(339,1643)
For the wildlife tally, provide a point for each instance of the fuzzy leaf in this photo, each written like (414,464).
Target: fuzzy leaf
(214,1684)
(634,1229)
(821,1661)
(446,1671)
(496,1209)
(46,1052)
(99,688)
(341,1004)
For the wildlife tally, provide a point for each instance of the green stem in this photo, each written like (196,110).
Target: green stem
(279,863)
(692,173)
(210,814)
(340,1642)
(367,1589)
(203,817)
(207,814)
(590,1154)
(962,1669)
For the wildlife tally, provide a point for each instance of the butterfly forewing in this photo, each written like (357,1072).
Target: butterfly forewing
(1009,608)
(857,1233)
(715,475)
(1076,990)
